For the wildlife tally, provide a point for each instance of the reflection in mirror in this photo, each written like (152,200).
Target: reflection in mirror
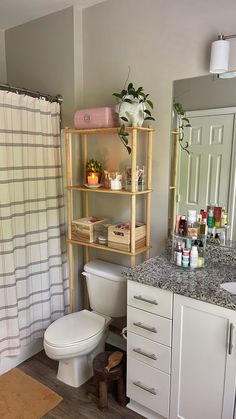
(206,174)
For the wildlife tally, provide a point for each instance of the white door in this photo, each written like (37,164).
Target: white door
(203,371)
(204,173)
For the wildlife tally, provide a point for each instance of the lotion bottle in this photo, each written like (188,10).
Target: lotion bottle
(194,257)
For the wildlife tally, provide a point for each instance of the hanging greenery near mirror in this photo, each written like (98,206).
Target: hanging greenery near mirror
(183,122)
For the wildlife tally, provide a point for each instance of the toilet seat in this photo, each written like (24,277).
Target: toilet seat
(70,330)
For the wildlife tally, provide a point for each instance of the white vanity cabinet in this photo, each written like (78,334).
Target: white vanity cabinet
(149,335)
(203,360)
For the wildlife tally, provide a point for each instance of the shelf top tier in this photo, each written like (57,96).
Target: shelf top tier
(105,130)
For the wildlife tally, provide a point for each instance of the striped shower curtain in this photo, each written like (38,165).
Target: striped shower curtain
(34,286)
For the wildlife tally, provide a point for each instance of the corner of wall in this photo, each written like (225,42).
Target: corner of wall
(3,67)
(78,57)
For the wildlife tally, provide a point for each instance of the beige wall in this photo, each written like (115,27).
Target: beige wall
(3,73)
(161,40)
(40,56)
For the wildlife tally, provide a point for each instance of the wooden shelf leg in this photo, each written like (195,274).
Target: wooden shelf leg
(71,275)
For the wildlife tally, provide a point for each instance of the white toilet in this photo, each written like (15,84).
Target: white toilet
(75,339)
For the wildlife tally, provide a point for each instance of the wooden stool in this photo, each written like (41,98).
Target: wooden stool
(103,377)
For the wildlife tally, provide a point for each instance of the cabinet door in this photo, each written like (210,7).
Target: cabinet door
(203,371)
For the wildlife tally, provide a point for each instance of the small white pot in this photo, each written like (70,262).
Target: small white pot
(134,112)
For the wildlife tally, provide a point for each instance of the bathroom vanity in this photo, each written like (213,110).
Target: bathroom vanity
(181,345)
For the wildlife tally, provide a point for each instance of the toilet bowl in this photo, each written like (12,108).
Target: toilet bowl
(75,339)
(71,339)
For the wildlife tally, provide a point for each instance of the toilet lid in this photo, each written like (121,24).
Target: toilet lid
(74,328)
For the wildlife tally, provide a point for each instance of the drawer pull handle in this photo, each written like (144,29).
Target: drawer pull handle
(231,334)
(143,387)
(139,297)
(149,329)
(139,351)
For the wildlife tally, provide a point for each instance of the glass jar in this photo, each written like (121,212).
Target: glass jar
(139,179)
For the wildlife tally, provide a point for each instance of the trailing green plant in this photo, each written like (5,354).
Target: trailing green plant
(183,123)
(133,96)
(94,166)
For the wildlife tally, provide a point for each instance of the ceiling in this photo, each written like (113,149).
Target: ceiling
(16,12)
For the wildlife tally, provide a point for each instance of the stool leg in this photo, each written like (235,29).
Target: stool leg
(102,402)
(121,392)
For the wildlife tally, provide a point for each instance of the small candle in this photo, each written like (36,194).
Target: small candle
(93,179)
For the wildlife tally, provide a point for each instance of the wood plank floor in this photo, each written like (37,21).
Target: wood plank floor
(78,403)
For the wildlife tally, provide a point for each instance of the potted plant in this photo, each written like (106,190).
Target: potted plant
(94,168)
(183,122)
(134,107)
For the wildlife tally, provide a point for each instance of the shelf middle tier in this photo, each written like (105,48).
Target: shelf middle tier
(105,190)
(110,249)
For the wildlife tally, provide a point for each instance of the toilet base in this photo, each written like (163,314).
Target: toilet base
(74,371)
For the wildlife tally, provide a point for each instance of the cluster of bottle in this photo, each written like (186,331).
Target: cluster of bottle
(211,223)
(188,252)
(191,233)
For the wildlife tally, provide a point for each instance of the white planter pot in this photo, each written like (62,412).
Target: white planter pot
(134,112)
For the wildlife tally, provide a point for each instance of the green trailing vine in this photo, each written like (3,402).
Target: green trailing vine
(132,96)
(183,123)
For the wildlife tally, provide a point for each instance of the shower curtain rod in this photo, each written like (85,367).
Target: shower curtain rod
(32,93)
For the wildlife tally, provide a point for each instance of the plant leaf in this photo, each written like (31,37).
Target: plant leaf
(127,100)
(147,111)
(124,118)
(139,90)
(149,118)
(128,149)
(150,103)
(117,95)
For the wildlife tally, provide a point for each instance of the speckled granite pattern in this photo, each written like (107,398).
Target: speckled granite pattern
(202,284)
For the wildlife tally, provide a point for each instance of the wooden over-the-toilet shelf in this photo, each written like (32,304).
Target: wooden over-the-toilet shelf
(73,135)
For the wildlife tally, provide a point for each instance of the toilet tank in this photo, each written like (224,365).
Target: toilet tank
(106,287)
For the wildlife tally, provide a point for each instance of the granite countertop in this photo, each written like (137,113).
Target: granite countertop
(202,284)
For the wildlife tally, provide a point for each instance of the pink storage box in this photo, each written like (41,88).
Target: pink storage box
(96,118)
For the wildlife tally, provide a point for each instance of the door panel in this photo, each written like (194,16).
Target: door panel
(204,173)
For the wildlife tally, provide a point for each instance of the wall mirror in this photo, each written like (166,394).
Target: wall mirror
(207,174)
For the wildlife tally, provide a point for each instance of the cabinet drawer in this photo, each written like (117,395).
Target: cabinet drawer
(151,299)
(149,325)
(148,386)
(149,352)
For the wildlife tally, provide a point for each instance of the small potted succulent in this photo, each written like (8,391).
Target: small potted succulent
(133,108)
(94,168)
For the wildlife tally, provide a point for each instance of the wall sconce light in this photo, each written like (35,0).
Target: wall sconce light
(220,54)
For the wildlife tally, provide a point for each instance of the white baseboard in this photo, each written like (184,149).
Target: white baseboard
(142,410)
(26,352)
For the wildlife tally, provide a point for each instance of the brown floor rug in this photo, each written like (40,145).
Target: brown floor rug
(22,397)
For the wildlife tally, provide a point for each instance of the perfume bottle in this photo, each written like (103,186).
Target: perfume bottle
(182,226)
